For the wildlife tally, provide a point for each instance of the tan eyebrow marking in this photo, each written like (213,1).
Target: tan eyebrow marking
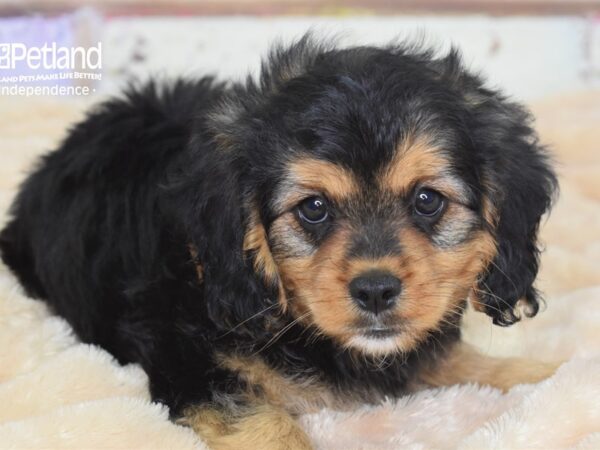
(333,180)
(311,176)
(416,160)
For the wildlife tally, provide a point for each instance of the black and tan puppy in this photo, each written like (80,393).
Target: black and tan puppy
(310,239)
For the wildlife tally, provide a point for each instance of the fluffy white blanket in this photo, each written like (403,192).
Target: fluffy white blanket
(58,393)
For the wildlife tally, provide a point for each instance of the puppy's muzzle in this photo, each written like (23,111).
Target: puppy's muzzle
(375,291)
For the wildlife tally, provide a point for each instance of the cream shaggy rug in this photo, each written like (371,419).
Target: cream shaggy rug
(58,393)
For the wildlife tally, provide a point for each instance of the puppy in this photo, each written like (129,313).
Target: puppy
(307,240)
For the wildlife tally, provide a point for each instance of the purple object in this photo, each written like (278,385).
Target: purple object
(50,56)
(33,32)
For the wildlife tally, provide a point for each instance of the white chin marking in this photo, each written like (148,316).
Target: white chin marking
(374,346)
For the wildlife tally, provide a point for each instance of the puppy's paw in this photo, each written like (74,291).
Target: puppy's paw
(466,365)
(517,371)
(263,427)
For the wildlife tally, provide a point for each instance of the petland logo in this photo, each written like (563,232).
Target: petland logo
(50,57)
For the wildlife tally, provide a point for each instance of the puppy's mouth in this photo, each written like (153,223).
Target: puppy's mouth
(379,327)
(379,332)
(376,339)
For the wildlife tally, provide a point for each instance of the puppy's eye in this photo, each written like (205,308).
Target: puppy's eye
(428,202)
(313,210)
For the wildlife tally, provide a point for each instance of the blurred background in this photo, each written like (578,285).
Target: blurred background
(530,47)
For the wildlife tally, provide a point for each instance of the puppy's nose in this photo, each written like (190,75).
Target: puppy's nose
(375,291)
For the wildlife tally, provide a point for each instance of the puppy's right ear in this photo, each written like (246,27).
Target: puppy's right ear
(214,195)
(210,203)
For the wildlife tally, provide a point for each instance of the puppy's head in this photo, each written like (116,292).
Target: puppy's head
(369,192)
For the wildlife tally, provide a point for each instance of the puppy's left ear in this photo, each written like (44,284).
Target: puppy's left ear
(519,186)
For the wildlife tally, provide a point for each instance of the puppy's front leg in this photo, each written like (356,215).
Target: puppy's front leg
(262,426)
(465,364)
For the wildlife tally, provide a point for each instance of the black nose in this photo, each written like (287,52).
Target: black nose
(375,291)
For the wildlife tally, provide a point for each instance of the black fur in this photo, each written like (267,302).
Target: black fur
(102,229)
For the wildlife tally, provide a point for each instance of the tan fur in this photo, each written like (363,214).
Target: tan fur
(199,269)
(298,395)
(467,365)
(255,240)
(260,427)
(319,286)
(330,179)
(417,160)
(490,214)
(435,280)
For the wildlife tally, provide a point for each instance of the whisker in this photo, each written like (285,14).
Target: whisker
(246,320)
(280,333)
